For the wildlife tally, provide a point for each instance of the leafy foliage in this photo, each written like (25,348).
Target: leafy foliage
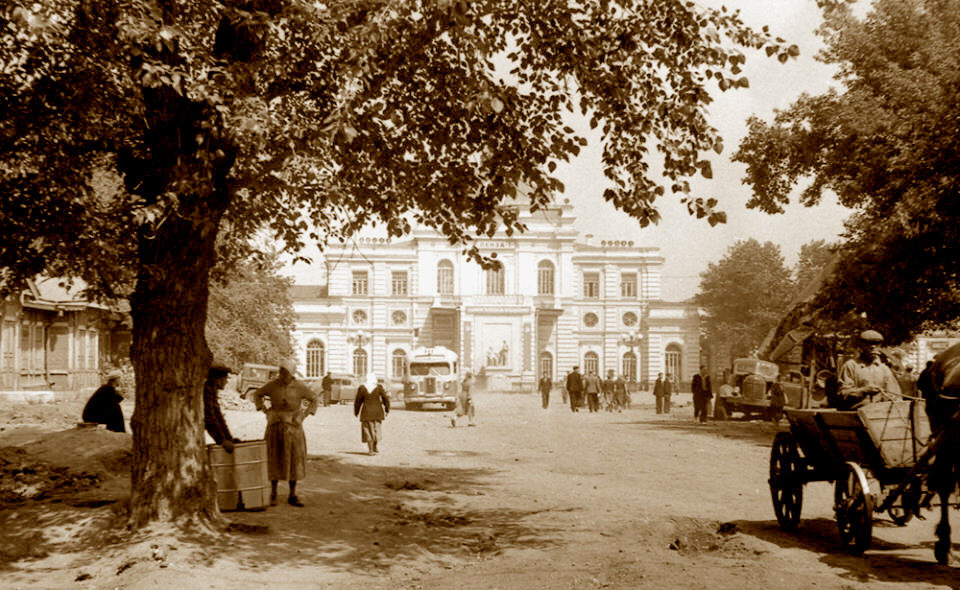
(250,315)
(887,145)
(744,295)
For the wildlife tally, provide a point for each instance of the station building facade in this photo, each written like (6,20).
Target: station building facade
(557,300)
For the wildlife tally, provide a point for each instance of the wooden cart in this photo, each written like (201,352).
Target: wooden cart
(875,456)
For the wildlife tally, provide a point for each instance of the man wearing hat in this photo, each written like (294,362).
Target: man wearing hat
(213,418)
(103,407)
(866,375)
(286,441)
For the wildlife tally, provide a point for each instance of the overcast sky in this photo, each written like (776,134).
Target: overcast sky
(688,244)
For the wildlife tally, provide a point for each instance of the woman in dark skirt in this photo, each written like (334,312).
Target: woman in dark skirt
(371,405)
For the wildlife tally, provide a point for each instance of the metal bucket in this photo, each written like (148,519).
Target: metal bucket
(241,476)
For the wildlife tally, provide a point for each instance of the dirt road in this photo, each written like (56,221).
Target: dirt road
(529,498)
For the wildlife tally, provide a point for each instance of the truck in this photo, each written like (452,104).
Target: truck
(432,377)
(753,390)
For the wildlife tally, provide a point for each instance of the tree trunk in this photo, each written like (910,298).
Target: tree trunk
(171,481)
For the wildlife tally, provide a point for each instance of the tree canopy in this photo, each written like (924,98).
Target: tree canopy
(250,318)
(144,139)
(744,294)
(886,143)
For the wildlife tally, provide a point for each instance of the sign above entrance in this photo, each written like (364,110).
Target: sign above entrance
(494,244)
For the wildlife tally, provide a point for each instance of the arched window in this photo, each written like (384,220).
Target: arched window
(398,364)
(546,364)
(545,278)
(360,362)
(630,366)
(671,361)
(591,363)
(445,277)
(316,362)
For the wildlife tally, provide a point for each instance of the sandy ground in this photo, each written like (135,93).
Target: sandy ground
(527,499)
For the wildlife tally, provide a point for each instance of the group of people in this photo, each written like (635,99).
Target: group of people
(590,391)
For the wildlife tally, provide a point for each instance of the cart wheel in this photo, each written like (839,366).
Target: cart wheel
(853,505)
(786,481)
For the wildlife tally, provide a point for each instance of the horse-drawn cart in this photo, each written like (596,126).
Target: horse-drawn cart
(875,455)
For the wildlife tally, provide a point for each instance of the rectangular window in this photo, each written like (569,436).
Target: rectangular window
(360,286)
(628,285)
(495,281)
(93,347)
(399,282)
(591,285)
(81,353)
(445,278)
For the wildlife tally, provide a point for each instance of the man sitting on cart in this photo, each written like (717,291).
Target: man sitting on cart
(861,379)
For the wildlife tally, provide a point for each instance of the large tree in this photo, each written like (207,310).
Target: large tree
(744,294)
(886,143)
(212,119)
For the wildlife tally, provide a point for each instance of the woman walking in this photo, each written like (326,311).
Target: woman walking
(371,405)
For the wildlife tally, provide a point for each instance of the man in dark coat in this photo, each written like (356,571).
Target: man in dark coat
(700,386)
(103,407)
(544,386)
(575,388)
(213,419)
(659,392)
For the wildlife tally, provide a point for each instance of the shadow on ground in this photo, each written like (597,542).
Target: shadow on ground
(758,432)
(882,562)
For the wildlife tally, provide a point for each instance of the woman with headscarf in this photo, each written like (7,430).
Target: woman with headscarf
(371,405)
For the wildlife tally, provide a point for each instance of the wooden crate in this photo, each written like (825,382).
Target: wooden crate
(899,430)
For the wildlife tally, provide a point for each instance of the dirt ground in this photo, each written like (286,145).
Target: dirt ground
(527,499)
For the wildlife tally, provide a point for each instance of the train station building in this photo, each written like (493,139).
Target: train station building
(558,300)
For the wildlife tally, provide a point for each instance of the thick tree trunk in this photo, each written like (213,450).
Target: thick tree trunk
(171,480)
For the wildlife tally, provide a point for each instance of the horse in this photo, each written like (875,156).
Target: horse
(939,383)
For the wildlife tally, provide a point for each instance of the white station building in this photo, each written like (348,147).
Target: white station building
(557,301)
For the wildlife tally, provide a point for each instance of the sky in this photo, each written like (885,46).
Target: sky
(689,245)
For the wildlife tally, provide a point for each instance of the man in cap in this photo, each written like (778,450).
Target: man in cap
(103,407)
(213,418)
(865,376)
(283,402)
(575,388)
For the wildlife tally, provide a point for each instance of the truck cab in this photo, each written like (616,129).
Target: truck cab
(432,378)
(751,390)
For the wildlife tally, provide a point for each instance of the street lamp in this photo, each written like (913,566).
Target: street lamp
(632,340)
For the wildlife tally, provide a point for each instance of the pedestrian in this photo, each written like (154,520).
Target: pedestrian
(700,387)
(371,405)
(659,392)
(103,407)
(609,402)
(620,393)
(213,420)
(575,388)
(545,385)
(465,405)
(286,402)
(563,389)
(326,386)
(591,387)
(673,387)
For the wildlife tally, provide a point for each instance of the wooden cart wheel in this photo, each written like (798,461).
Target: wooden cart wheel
(853,505)
(786,481)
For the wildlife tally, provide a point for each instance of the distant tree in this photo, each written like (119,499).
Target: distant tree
(250,318)
(212,119)
(815,259)
(886,143)
(744,295)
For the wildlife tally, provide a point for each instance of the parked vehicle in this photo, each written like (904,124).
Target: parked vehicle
(343,388)
(253,377)
(753,390)
(432,378)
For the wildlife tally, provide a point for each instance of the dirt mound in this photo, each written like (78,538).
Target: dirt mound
(63,462)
